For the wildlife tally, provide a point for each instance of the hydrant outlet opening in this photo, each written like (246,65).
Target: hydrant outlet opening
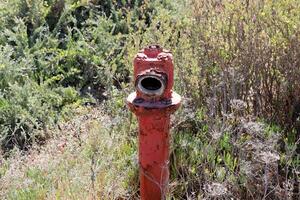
(151,85)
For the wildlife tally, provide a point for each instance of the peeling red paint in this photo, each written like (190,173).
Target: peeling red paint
(153,112)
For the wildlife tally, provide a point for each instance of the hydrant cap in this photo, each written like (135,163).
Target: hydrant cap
(153,50)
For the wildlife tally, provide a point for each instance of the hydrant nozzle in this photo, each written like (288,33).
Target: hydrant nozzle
(153,102)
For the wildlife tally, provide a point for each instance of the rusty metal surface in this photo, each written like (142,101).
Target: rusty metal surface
(141,106)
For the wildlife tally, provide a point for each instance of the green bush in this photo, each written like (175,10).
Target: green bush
(56,53)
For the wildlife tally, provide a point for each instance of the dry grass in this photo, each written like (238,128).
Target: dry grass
(85,160)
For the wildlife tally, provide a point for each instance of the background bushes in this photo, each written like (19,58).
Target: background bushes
(250,51)
(57,53)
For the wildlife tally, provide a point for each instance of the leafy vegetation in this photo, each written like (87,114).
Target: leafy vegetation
(65,70)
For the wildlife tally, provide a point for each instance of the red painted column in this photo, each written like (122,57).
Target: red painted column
(153,103)
(154,155)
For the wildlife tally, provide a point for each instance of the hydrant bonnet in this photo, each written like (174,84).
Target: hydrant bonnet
(153,73)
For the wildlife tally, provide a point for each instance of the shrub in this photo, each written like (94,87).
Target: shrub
(248,51)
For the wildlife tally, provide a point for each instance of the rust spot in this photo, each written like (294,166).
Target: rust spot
(149,108)
(142,132)
(138,100)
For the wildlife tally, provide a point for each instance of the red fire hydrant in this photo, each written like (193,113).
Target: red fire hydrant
(152,103)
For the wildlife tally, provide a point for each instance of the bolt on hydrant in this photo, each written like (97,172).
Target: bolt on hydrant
(153,103)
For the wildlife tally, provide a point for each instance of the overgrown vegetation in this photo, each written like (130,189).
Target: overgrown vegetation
(237,65)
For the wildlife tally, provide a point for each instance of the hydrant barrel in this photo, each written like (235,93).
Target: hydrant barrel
(153,102)
(154,156)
